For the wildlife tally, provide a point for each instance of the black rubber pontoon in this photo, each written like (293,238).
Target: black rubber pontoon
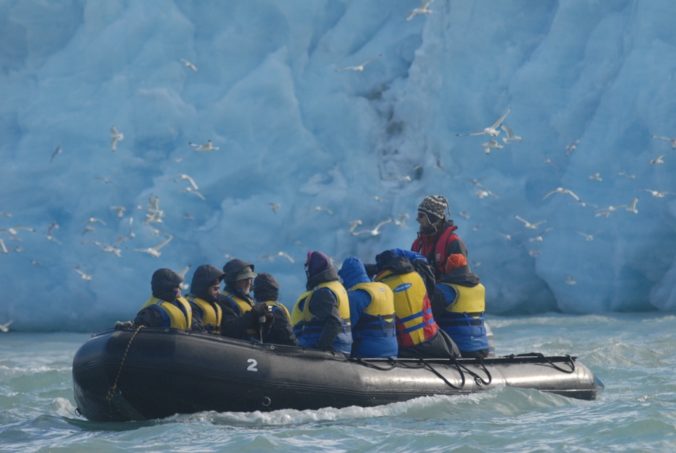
(142,374)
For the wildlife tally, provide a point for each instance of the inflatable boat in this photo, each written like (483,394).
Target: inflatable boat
(137,374)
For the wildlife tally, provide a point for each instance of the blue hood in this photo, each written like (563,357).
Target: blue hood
(353,272)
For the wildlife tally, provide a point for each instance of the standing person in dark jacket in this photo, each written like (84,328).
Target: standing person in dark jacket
(371,312)
(417,331)
(266,291)
(321,315)
(437,239)
(203,297)
(166,307)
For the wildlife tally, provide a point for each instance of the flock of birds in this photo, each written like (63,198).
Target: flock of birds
(498,135)
(498,127)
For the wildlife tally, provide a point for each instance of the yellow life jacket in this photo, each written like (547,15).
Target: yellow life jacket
(463,318)
(212,314)
(240,303)
(382,299)
(415,322)
(341,294)
(470,300)
(297,310)
(180,318)
(308,329)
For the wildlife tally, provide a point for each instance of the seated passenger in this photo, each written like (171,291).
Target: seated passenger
(166,307)
(241,318)
(238,277)
(279,331)
(321,315)
(204,292)
(371,312)
(417,332)
(459,305)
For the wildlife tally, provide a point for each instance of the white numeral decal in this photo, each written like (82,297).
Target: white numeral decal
(253,365)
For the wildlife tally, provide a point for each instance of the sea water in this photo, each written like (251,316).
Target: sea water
(633,354)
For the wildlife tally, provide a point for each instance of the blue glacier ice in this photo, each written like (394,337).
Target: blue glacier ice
(322,112)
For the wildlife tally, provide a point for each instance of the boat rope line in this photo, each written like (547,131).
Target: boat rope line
(392,364)
(420,362)
(568,360)
(478,379)
(113,388)
(428,366)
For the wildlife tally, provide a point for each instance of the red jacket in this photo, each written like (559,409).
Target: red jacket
(437,247)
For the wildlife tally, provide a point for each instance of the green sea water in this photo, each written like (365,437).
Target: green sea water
(634,354)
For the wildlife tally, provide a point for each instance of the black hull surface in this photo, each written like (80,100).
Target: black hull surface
(127,375)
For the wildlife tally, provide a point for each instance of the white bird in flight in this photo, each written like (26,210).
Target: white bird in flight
(58,150)
(527,224)
(586,236)
(14,231)
(424,8)
(115,137)
(563,191)
(359,67)
(83,275)
(190,180)
(119,211)
(606,211)
(632,207)
(4,328)
(657,193)
(494,129)
(571,147)
(155,250)
(323,209)
(204,148)
(274,206)
(596,177)
(3,247)
(510,135)
(188,64)
(108,248)
(659,160)
(671,140)
(490,145)
(375,231)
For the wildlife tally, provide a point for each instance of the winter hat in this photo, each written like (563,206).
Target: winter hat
(353,271)
(164,282)
(434,206)
(235,270)
(316,262)
(205,276)
(265,287)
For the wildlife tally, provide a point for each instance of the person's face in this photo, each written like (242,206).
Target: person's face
(427,226)
(244,285)
(423,219)
(177,292)
(213,291)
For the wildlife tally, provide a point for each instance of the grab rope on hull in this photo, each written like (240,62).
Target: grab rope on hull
(568,359)
(113,388)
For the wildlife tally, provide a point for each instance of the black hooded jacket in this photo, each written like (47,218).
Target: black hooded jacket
(324,306)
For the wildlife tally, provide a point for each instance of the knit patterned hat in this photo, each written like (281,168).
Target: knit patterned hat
(434,206)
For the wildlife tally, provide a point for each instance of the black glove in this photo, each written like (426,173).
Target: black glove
(263,312)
